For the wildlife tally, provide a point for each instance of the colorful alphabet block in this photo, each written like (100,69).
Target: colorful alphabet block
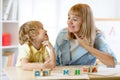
(77,72)
(66,72)
(37,73)
(46,72)
(94,69)
(85,69)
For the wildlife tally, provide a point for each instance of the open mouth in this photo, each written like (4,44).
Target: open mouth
(71,26)
(46,34)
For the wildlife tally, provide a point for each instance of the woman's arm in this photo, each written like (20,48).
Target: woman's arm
(102,56)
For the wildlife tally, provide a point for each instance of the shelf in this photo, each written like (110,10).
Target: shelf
(10,21)
(9,47)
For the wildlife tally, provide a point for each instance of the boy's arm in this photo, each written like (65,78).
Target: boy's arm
(51,60)
(26,65)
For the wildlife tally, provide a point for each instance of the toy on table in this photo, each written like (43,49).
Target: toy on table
(44,72)
(79,70)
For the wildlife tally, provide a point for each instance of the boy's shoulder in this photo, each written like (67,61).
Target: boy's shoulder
(25,46)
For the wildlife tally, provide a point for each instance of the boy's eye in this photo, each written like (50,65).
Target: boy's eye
(42,28)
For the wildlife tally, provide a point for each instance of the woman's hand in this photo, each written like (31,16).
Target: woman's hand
(81,39)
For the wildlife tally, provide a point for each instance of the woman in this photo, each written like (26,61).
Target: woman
(81,43)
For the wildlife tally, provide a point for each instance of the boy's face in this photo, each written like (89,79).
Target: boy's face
(42,36)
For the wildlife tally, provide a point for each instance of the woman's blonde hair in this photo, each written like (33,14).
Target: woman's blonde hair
(28,30)
(87,28)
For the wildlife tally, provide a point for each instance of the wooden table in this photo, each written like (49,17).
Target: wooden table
(103,73)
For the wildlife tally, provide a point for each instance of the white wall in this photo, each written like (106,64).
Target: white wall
(25,11)
(101,9)
(42,10)
(53,13)
(117,9)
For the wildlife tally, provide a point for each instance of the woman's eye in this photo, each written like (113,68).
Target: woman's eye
(68,18)
(75,19)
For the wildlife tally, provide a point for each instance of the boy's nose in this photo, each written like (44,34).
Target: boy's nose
(45,31)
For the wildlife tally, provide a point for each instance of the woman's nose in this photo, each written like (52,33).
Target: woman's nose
(70,22)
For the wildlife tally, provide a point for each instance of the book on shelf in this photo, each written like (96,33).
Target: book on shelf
(8,59)
(7,6)
(10,9)
(14,10)
(4,6)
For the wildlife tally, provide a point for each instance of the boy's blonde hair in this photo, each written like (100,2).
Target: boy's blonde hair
(28,31)
(87,29)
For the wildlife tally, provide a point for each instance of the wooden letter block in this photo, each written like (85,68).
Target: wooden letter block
(46,72)
(94,68)
(65,72)
(77,72)
(37,73)
(85,70)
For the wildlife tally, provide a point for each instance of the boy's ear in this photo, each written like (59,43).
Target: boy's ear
(33,34)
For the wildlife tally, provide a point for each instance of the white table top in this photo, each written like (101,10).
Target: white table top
(15,73)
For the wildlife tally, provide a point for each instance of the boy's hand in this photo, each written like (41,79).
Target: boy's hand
(48,44)
(47,61)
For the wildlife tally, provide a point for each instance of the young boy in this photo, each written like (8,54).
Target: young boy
(33,53)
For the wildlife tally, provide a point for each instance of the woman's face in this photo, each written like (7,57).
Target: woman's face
(74,23)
